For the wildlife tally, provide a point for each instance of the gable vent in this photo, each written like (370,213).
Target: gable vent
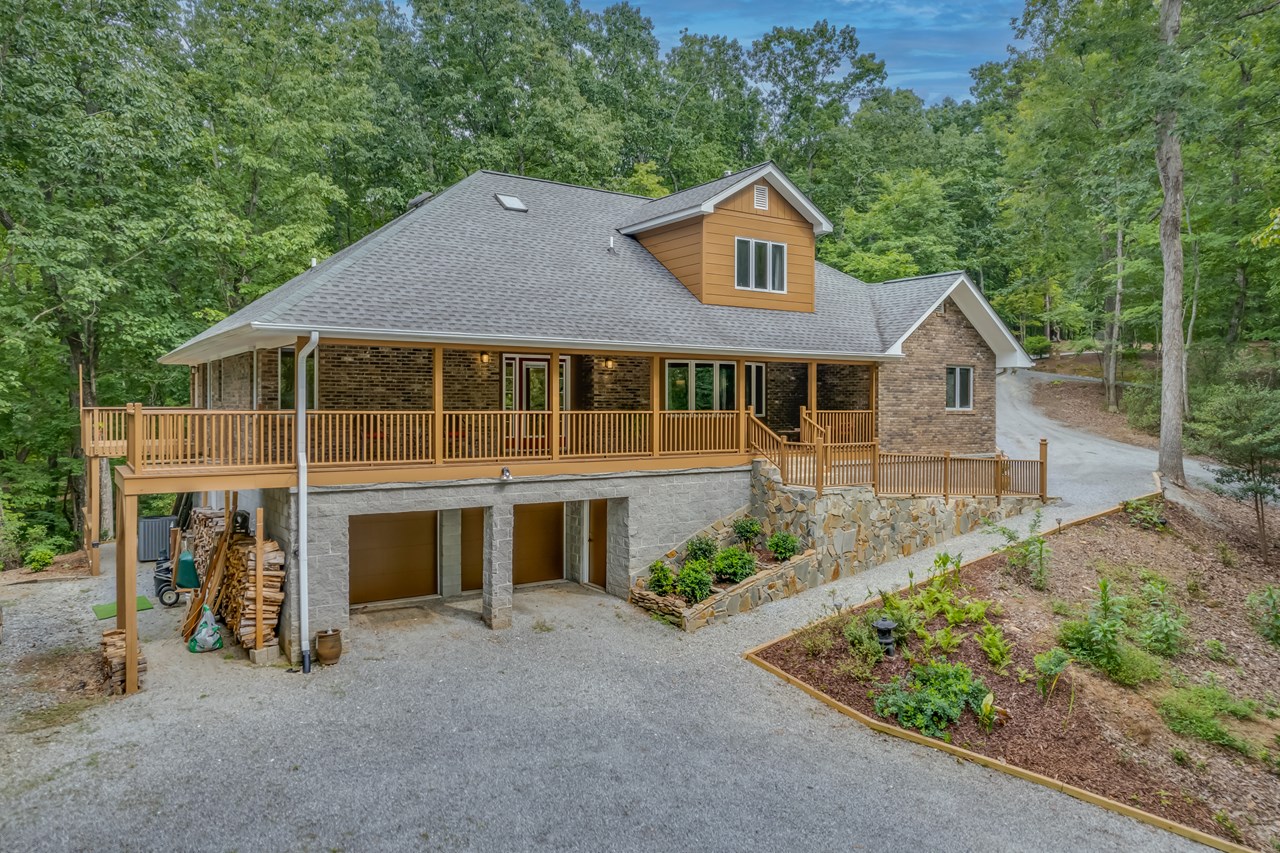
(510,202)
(762,197)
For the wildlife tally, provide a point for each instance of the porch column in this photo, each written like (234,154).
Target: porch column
(437,404)
(499,523)
(873,395)
(553,390)
(813,389)
(127,587)
(742,405)
(655,404)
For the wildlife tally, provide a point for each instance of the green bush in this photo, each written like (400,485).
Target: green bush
(1050,665)
(1037,346)
(1147,514)
(700,548)
(39,558)
(1198,711)
(748,530)
(734,564)
(1264,606)
(1141,403)
(694,581)
(1028,558)
(931,697)
(1162,632)
(865,650)
(661,580)
(783,546)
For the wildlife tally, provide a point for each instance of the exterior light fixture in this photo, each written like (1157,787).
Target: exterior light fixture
(608,364)
(884,634)
(484,358)
(506,475)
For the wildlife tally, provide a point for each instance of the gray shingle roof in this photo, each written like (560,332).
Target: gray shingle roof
(691,197)
(461,267)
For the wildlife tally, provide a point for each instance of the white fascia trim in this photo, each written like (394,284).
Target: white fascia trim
(771,174)
(1009,353)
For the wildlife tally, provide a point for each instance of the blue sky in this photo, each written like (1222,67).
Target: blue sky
(926,45)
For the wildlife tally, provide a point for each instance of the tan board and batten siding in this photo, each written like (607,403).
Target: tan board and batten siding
(700,251)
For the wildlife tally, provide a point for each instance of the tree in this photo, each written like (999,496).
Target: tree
(810,77)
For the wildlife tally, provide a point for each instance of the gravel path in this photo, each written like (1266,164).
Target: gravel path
(607,731)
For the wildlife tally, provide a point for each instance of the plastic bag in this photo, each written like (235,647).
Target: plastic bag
(207,637)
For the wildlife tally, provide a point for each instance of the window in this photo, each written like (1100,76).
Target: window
(510,202)
(762,197)
(702,386)
(755,389)
(960,388)
(287,362)
(760,265)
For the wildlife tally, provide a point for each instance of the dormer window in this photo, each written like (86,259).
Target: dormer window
(760,265)
(762,197)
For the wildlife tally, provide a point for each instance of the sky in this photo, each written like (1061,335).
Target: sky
(926,45)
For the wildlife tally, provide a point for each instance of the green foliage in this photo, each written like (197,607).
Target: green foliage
(661,580)
(1163,632)
(1050,665)
(987,712)
(901,610)
(931,697)
(783,546)
(734,564)
(1099,640)
(701,548)
(865,650)
(693,584)
(39,558)
(748,530)
(816,638)
(1147,514)
(1264,607)
(1037,346)
(999,651)
(1217,652)
(1028,558)
(1199,712)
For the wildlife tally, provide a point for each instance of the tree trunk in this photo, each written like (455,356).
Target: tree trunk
(1111,357)
(1195,305)
(1169,165)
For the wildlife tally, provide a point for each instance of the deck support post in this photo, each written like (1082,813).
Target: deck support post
(875,466)
(741,400)
(93,485)
(873,395)
(655,403)
(258,556)
(127,587)
(437,405)
(553,391)
(813,387)
(1044,470)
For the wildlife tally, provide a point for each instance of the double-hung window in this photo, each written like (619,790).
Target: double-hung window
(760,265)
(959,389)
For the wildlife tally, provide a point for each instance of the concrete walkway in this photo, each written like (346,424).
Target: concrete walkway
(587,726)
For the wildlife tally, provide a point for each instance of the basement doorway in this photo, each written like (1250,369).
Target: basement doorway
(538,543)
(392,556)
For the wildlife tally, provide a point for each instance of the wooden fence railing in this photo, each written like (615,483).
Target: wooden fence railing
(698,432)
(102,431)
(616,433)
(847,426)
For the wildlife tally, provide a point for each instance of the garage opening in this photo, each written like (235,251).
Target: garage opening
(537,543)
(392,556)
(472,549)
(597,542)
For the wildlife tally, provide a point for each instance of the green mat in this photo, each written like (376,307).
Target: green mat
(108,610)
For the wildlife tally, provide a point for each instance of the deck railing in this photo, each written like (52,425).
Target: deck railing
(699,432)
(848,426)
(602,434)
(102,431)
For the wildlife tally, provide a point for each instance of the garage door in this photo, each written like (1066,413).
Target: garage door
(598,539)
(538,543)
(392,556)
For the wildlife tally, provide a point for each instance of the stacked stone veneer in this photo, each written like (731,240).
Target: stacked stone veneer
(853,529)
(649,515)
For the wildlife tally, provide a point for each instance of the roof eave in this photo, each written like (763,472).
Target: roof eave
(1008,352)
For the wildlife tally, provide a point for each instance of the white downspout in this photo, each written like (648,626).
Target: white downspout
(300,445)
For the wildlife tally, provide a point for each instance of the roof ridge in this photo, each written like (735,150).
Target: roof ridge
(563,184)
(717,180)
(926,275)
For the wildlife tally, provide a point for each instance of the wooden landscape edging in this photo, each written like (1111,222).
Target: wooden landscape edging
(882,727)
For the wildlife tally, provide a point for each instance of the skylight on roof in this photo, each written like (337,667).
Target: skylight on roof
(510,202)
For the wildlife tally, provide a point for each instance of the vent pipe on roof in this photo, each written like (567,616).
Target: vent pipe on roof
(418,201)
(727,173)
(313,262)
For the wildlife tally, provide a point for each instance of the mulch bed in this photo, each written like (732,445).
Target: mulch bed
(65,566)
(1110,739)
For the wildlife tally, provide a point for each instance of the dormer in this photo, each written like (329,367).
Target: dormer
(746,240)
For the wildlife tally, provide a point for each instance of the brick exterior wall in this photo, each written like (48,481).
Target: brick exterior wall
(268,378)
(469,384)
(597,388)
(375,377)
(786,390)
(230,381)
(913,391)
(844,386)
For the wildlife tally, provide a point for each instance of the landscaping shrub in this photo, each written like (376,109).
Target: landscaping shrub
(1028,558)
(1264,606)
(997,648)
(900,610)
(39,558)
(1037,346)
(783,546)
(694,581)
(734,564)
(1162,632)
(1198,711)
(748,530)
(1050,665)
(931,697)
(1099,639)
(1147,514)
(661,580)
(700,548)
(865,650)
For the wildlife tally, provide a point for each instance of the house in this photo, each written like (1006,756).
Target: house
(519,381)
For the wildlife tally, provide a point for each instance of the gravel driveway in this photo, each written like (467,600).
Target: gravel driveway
(587,726)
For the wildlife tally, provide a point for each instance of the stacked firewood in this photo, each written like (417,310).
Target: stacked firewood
(113,660)
(237,601)
(207,525)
